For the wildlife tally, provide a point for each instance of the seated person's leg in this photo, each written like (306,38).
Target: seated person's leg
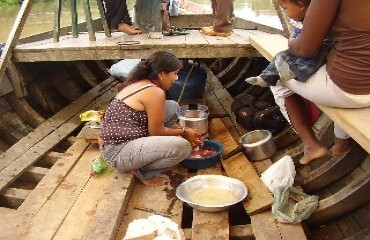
(293,108)
(341,141)
(149,156)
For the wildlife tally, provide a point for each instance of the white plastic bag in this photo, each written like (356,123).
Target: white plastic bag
(123,67)
(279,174)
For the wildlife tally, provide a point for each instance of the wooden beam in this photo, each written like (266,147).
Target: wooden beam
(5,85)
(193,45)
(24,110)
(207,225)
(242,232)
(47,222)
(263,43)
(43,191)
(25,159)
(161,199)
(110,210)
(50,158)
(265,227)
(15,196)
(14,34)
(34,174)
(259,198)
(332,169)
(85,101)
(355,194)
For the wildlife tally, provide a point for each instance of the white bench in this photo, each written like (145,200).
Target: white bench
(353,121)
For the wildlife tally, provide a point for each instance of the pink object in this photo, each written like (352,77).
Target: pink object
(313,111)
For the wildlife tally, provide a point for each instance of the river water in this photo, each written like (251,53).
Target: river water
(41,16)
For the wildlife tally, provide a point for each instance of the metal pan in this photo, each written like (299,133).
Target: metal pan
(257,145)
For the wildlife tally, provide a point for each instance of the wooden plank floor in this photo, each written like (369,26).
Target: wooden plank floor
(193,45)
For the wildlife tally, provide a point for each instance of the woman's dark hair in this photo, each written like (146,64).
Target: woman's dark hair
(160,61)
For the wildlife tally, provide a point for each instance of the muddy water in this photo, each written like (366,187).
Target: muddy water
(41,16)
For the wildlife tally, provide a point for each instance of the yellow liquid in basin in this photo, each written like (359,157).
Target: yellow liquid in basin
(212,196)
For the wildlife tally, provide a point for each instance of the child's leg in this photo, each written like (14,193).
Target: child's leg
(268,77)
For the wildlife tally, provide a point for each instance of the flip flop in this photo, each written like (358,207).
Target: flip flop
(174,31)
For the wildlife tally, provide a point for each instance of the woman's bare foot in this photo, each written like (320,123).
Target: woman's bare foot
(155,181)
(312,154)
(159,180)
(340,146)
(123,27)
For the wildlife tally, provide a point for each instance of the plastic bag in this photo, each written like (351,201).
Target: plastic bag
(283,68)
(99,165)
(155,227)
(279,174)
(94,118)
(123,67)
(292,206)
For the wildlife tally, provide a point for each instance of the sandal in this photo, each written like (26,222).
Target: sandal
(173,31)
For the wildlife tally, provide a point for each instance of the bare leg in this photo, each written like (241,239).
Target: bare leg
(299,119)
(340,146)
(123,27)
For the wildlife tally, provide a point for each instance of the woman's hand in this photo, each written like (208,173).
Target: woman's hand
(193,136)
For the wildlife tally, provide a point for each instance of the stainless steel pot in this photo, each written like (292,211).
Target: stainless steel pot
(194,116)
(257,145)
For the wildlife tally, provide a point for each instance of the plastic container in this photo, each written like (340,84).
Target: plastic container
(206,162)
(191,83)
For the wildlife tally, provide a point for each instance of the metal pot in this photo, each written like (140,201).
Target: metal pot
(257,145)
(194,116)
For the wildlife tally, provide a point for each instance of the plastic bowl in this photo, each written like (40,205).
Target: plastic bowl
(205,162)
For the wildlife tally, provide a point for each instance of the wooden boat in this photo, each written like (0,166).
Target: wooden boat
(46,189)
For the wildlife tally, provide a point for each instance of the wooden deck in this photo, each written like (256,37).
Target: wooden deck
(68,203)
(193,45)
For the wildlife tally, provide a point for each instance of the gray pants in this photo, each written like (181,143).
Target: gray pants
(150,155)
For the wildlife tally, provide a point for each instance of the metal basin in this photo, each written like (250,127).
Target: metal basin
(194,116)
(258,144)
(211,193)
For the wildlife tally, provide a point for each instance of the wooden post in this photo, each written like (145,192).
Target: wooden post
(15,32)
(16,78)
(56,28)
(74,18)
(90,26)
(103,19)
(283,18)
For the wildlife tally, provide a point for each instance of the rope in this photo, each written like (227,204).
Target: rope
(186,80)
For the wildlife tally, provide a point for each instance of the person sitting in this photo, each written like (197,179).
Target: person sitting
(223,11)
(290,65)
(140,132)
(343,82)
(118,17)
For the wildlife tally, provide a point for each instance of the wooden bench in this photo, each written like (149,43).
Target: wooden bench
(353,121)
